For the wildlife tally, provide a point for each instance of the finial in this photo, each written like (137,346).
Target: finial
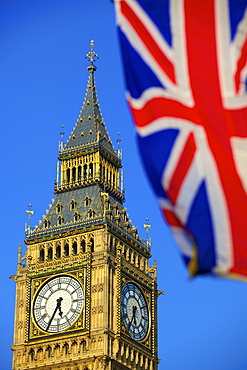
(19,255)
(29,213)
(62,133)
(147,226)
(91,57)
(118,140)
(119,151)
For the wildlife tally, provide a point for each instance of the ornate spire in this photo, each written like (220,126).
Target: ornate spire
(91,57)
(90,128)
(87,168)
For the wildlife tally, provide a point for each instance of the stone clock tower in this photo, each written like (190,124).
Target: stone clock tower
(86,297)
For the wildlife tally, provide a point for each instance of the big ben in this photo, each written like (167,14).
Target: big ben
(86,296)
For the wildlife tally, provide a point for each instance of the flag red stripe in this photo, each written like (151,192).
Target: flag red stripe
(182,168)
(217,123)
(160,108)
(171,218)
(240,65)
(148,40)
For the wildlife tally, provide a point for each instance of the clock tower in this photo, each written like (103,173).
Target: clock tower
(86,297)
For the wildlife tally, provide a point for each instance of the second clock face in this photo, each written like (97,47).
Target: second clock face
(58,304)
(134,311)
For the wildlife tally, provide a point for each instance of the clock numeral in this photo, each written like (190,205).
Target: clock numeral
(76,300)
(39,307)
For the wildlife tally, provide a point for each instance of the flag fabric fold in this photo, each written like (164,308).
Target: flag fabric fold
(185,65)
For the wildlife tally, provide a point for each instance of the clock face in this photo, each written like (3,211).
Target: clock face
(134,311)
(58,304)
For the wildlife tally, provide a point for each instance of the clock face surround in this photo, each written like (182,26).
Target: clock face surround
(134,311)
(58,304)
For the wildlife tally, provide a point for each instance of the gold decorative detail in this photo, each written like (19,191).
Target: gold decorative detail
(93,310)
(94,288)
(14,277)
(79,324)
(91,55)
(20,325)
(159,292)
(97,309)
(100,309)
(146,343)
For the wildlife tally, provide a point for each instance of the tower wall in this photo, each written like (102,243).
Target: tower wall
(85,294)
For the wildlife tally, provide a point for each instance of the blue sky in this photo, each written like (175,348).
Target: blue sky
(202,322)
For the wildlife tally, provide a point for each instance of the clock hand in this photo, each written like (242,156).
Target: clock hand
(133,316)
(58,307)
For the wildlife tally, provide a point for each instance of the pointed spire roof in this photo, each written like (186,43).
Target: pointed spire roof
(89,188)
(90,129)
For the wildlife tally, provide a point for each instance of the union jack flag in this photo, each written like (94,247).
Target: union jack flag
(185,65)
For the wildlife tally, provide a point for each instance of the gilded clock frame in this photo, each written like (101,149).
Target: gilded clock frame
(147,293)
(36,283)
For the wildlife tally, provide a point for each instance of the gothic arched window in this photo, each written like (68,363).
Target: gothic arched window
(60,220)
(83,346)
(72,204)
(92,244)
(32,355)
(68,176)
(83,246)
(74,248)
(46,223)
(66,249)
(85,171)
(87,201)
(58,251)
(50,253)
(48,352)
(79,173)
(91,213)
(76,217)
(42,255)
(73,174)
(59,208)
(66,349)
(91,170)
